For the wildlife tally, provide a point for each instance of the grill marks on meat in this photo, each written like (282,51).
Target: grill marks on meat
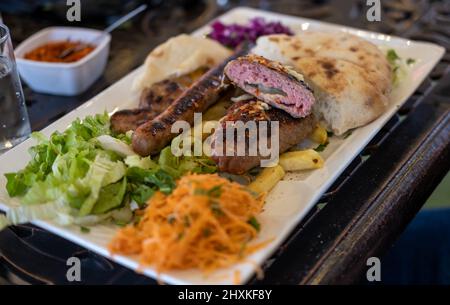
(273,83)
(154,135)
(153,101)
(277,85)
(160,95)
(129,119)
(291,132)
(157,96)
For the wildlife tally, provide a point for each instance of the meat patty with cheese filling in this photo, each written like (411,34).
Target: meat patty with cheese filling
(273,83)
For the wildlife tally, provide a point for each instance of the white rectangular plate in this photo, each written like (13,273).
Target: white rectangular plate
(290,200)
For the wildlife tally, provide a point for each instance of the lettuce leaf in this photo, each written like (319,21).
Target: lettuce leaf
(142,162)
(74,141)
(397,66)
(143,183)
(140,193)
(15,184)
(86,174)
(69,168)
(178,166)
(110,197)
(101,173)
(109,143)
(60,213)
(156,178)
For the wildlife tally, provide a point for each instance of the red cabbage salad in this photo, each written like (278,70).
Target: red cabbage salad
(232,35)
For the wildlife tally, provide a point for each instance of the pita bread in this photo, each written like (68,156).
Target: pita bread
(344,98)
(350,75)
(178,56)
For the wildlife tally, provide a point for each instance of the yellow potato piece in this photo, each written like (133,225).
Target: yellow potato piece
(301,160)
(319,135)
(267,179)
(217,111)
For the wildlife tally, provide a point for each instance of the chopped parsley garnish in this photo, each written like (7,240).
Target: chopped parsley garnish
(410,61)
(207,232)
(393,59)
(120,223)
(201,192)
(214,192)
(216,209)
(254,223)
(347,134)
(321,147)
(85,230)
(171,219)
(137,219)
(392,56)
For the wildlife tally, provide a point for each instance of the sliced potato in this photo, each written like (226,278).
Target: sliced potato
(217,111)
(267,179)
(301,160)
(319,135)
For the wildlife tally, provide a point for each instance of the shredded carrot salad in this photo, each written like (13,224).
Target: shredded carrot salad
(206,223)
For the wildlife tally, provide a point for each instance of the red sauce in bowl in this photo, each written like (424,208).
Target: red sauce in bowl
(51,51)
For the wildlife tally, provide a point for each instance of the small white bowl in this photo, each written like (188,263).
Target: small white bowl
(63,78)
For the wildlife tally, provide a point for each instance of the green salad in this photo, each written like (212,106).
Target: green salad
(87,175)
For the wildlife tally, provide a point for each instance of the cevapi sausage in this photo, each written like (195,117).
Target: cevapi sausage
(152,136)
(291,132)
(153,101)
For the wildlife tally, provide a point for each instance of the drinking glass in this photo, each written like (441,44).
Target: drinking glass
(14,123)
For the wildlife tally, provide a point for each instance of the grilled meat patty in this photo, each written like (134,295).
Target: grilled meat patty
(273,83)
(291,132)
(158,96)
(129,119)
(153,101)
(152,136)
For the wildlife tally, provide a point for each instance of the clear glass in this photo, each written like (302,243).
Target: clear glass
(14,123)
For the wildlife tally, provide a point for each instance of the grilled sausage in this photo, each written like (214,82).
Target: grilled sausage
(291,132)
(153,101)
(151,137)
(129,119)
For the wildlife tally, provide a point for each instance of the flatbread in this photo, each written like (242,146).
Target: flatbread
(344,98)
(178,56)
(347,66)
